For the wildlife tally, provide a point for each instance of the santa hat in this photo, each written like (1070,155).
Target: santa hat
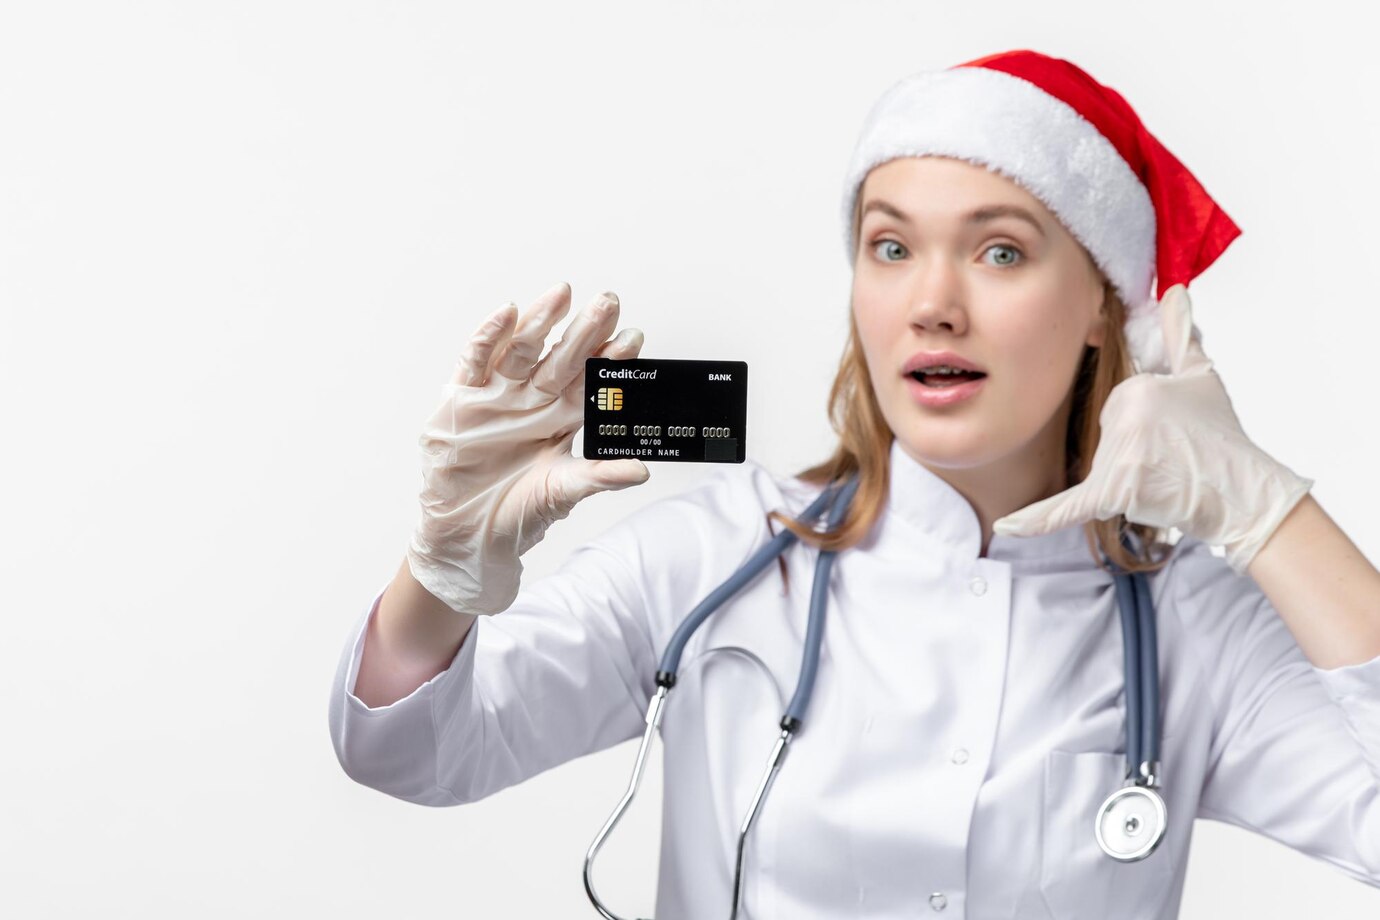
(1075,145)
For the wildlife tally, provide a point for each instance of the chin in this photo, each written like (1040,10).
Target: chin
(950,449)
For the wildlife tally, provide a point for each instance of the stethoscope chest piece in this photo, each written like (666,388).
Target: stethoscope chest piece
(1131,823)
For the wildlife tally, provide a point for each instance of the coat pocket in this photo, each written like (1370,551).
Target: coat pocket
(1077,879)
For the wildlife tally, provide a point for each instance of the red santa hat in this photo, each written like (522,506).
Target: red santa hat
(1075,145)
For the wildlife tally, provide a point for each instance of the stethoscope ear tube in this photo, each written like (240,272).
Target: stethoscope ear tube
(670,658)
(653,720)
(837,498)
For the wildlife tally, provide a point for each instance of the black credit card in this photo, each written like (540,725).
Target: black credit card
(665,409)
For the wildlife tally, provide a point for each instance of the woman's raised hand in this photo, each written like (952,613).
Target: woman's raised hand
(1172,453)
(496,463)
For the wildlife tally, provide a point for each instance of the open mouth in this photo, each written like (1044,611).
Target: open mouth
(942,379)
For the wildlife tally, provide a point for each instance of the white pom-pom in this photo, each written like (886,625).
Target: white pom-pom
(1145,338)
(1146,341)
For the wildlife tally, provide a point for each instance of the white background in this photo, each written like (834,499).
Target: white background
(241,245)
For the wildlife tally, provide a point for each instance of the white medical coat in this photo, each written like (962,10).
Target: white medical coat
(967,721)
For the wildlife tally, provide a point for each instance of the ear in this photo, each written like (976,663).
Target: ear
(1097,335)
(1097,332)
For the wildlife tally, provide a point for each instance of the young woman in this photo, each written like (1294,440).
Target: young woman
(1005,217)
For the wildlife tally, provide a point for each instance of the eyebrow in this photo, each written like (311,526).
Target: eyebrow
(977,216)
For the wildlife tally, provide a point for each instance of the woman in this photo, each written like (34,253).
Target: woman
(968,716)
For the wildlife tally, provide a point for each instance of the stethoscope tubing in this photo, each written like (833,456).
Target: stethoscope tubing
(1140,646)
(838,498)
(765,555)
(1139,651)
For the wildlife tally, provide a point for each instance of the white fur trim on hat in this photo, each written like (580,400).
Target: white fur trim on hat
(1041,143)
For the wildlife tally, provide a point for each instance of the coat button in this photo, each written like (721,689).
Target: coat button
(960,755)
(938,901)
(978,585)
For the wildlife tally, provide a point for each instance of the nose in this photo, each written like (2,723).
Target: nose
(938,299)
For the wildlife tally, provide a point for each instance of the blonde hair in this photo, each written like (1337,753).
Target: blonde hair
(864,446)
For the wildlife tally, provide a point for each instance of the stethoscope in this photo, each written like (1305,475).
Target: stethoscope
(1128,826)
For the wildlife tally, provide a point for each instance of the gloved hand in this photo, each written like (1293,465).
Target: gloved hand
(496,463)
(1172,453)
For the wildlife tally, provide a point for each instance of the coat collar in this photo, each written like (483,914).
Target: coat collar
(929,504)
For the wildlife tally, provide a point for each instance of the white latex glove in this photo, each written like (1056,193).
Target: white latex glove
(496,463)
(1173,453)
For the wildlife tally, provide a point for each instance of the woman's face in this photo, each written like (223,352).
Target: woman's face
(1018,298)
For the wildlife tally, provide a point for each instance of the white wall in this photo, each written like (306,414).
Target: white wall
(241,245)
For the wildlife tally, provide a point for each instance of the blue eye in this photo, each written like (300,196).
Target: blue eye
(1008,248)
(892,242)
(1011,257)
